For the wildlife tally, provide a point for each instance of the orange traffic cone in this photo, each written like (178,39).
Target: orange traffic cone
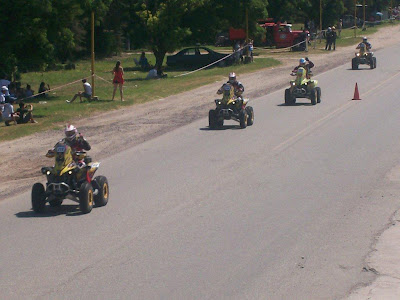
(356,94)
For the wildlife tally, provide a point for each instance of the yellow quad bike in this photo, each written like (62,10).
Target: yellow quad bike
(230,107)
(69,180)
(302,87)
(363,57)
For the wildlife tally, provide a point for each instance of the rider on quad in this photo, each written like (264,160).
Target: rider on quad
(365,42)
(306,64)
(237,85)
(75,140)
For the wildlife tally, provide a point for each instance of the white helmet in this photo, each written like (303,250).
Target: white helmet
(364,39)
(70,132)
(232,77)
(302,61)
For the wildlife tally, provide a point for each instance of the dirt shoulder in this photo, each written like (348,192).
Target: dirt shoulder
(115,131)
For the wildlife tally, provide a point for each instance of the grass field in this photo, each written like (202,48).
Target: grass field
(53,112)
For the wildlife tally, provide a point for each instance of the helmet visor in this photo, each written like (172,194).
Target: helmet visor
(70,134)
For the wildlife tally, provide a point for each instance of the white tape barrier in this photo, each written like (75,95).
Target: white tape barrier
(215,62)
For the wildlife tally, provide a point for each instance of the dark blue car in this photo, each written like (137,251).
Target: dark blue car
(197,57)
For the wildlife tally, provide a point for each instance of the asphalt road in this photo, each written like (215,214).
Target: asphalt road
(285,209)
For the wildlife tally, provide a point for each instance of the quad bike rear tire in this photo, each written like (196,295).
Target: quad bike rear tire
(212,119)
(354,64)
(243,118)
(318,94)
(250,117)
(374,60)
(86,197)
(38,198)
(313,97)
(101,199)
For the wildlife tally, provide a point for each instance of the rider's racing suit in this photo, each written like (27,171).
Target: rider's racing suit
(238,87)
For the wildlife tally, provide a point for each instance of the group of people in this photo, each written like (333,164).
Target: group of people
(118,81)
(22,115)
(330,36)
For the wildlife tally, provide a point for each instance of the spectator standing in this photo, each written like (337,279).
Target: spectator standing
(334,36)
(328,37)
(118,80)
(29,92)
(8,113)
(87,92)
(43,89)
(251,48)
(25,113)
(340,26)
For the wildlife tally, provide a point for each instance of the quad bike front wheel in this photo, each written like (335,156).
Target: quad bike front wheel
(318,94)
(38,198)
(313,97)
(101,199)
(354,64)
(289,99)
(250,117)
(243,118)
(86,197)
(212,119)
(374,61)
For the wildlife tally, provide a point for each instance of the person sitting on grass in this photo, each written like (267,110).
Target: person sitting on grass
(29,92)
(8,113)
(25,113)
(143,62)
(86,94)
(43,89)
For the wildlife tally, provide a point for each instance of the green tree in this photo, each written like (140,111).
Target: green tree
(160,23)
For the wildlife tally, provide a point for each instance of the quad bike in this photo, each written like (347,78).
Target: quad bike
(230,107)
(302,87)
(363,57)
(70,178)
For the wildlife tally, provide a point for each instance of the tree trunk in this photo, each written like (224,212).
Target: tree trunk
(159,58)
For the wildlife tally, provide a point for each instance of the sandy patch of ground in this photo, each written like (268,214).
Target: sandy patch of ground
(115,131)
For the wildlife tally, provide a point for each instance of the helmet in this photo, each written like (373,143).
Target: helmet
(302,61)
(70,132)
(364,39)
(333,27)
(232,77)
(329,29)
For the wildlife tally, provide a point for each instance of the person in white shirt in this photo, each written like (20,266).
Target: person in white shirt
(8,113)
(86,94)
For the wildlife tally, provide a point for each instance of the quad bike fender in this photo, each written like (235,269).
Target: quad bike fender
(312,84)
(93,166)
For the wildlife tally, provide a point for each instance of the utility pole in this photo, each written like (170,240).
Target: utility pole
(247,25)
(320,15)
(355,18)
(92,54)
(364,14)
